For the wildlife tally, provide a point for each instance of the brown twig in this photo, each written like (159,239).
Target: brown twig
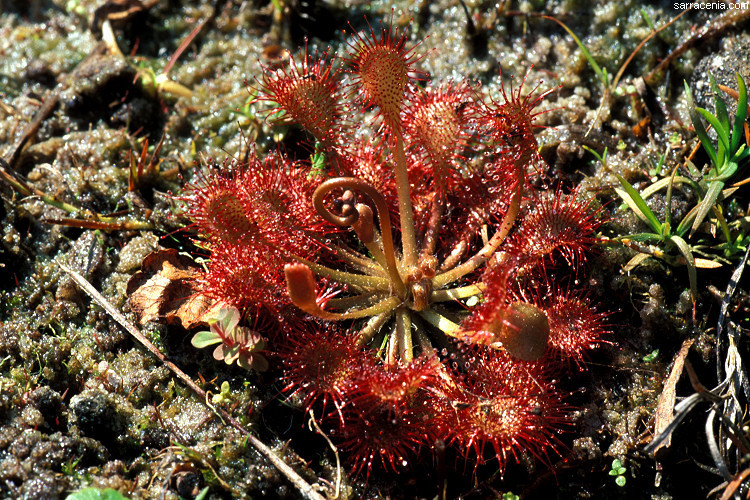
(32,128)
(651,35)
(733,94)
(720,24)
(731,488)
(184,45)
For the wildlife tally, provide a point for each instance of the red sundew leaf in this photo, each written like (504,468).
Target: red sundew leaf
(320,361)
(307,93)
(483,197)
(368,162)
(165,290)
(557,225)
(437,127)
(511,121)
(383,70)
(502,407)
(245,277)
(260,204)
(575,323)
(576,326)
(377,435)
(396,387)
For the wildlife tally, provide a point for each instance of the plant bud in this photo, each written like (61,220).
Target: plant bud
(523,330)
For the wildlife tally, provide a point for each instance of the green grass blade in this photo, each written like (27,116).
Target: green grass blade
(633,199)
(728,169)
(695,117)
(684,249)
(714,190)
(722,223)
(598,70)
(692,170)
(721,132)
(601,157)
(741,116)
(741,155)
(643,237)
(720,105)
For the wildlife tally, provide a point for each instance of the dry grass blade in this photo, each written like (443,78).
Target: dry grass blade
(725,448)
(313,424)
(684,407)
(665,406)
(726,398)
(731,287)
(714,446)
(303,486)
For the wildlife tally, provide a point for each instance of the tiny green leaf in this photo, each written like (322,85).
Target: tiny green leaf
(227,319)
(231,354)
(205,339)
(651,357)
(96,494)
(620,481)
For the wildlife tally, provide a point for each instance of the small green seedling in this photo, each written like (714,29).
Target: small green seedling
(601,157)
(318,162)
(235,343)
(601,73)
(655,172)
(224,396)
(651,357)
(96,494)
(618,471)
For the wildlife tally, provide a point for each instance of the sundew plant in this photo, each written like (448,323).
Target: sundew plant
(408,280)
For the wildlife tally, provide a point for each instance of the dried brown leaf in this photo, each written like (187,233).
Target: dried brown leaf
(665,406)
(165,290)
